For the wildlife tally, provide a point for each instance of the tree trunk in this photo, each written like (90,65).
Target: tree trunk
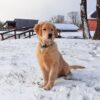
(86,32)
(97,32)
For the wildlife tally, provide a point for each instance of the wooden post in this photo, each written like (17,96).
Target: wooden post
(32,32)
(97,32)
(15,34)
(19,36)
(24,34)
(2,36)
(29,34)
(86,32)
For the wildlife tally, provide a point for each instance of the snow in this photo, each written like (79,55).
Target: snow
(20,74)
(66,26)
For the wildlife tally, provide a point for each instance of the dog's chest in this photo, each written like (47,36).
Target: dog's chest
(45,57)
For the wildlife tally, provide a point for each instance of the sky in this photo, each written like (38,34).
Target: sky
(39,9)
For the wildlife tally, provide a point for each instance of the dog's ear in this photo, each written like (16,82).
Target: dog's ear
(55,31)
(37,28)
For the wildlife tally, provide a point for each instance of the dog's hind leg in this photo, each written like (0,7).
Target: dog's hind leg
(64,72)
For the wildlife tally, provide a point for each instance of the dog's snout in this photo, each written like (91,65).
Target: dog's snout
(50,35)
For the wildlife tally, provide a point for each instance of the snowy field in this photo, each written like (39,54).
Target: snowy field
(20,75)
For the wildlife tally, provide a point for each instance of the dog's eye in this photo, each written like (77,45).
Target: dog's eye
(52,29)
(44,29)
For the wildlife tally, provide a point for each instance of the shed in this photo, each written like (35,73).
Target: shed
(25,23)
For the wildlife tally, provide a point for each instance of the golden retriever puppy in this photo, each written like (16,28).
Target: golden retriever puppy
(51,61)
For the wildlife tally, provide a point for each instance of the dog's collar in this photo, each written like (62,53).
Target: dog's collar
(46,46)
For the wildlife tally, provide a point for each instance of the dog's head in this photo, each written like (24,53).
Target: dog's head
(46,32)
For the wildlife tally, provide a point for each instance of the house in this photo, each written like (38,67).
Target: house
(92,21)
(20,23)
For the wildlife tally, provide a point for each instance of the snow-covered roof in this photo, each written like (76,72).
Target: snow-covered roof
(68,26)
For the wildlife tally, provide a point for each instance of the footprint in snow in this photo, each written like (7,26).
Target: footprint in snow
(97,89)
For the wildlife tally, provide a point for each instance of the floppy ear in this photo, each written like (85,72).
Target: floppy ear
(55,31)
(37,28)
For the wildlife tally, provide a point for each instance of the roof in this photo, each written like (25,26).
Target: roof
(63,27)
(92,15)
(9,23)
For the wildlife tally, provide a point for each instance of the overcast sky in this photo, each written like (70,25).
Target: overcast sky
(39,9)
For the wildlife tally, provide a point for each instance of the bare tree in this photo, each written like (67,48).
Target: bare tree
(74,18)
(86,33)
(58,19)
(97,32)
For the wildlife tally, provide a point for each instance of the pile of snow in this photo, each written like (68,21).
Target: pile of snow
(20,75)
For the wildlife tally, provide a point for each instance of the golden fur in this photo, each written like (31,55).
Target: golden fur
(51,61)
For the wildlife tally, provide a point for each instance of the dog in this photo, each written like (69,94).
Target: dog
(50,60)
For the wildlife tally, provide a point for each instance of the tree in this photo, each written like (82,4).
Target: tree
(86,33)
(97,32)
(74,18)
(58,19)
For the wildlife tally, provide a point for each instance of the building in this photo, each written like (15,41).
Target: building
(92,21)
(66,27)
(19,23)
(9,25)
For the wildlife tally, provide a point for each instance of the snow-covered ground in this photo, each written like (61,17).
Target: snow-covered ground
(20,75)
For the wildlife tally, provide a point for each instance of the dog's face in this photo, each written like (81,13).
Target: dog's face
(46,32)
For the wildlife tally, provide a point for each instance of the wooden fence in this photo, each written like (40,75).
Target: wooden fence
(26,34)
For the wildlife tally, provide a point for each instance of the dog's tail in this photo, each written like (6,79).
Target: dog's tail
(76,67)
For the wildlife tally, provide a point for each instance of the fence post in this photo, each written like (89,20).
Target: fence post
(2,36)
(19,36)
(15,34)
(29,34)
(32,32)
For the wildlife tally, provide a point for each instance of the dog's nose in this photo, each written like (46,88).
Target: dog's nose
(49,35)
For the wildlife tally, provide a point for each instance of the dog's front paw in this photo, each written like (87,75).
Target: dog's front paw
(43,84)
(48,87)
